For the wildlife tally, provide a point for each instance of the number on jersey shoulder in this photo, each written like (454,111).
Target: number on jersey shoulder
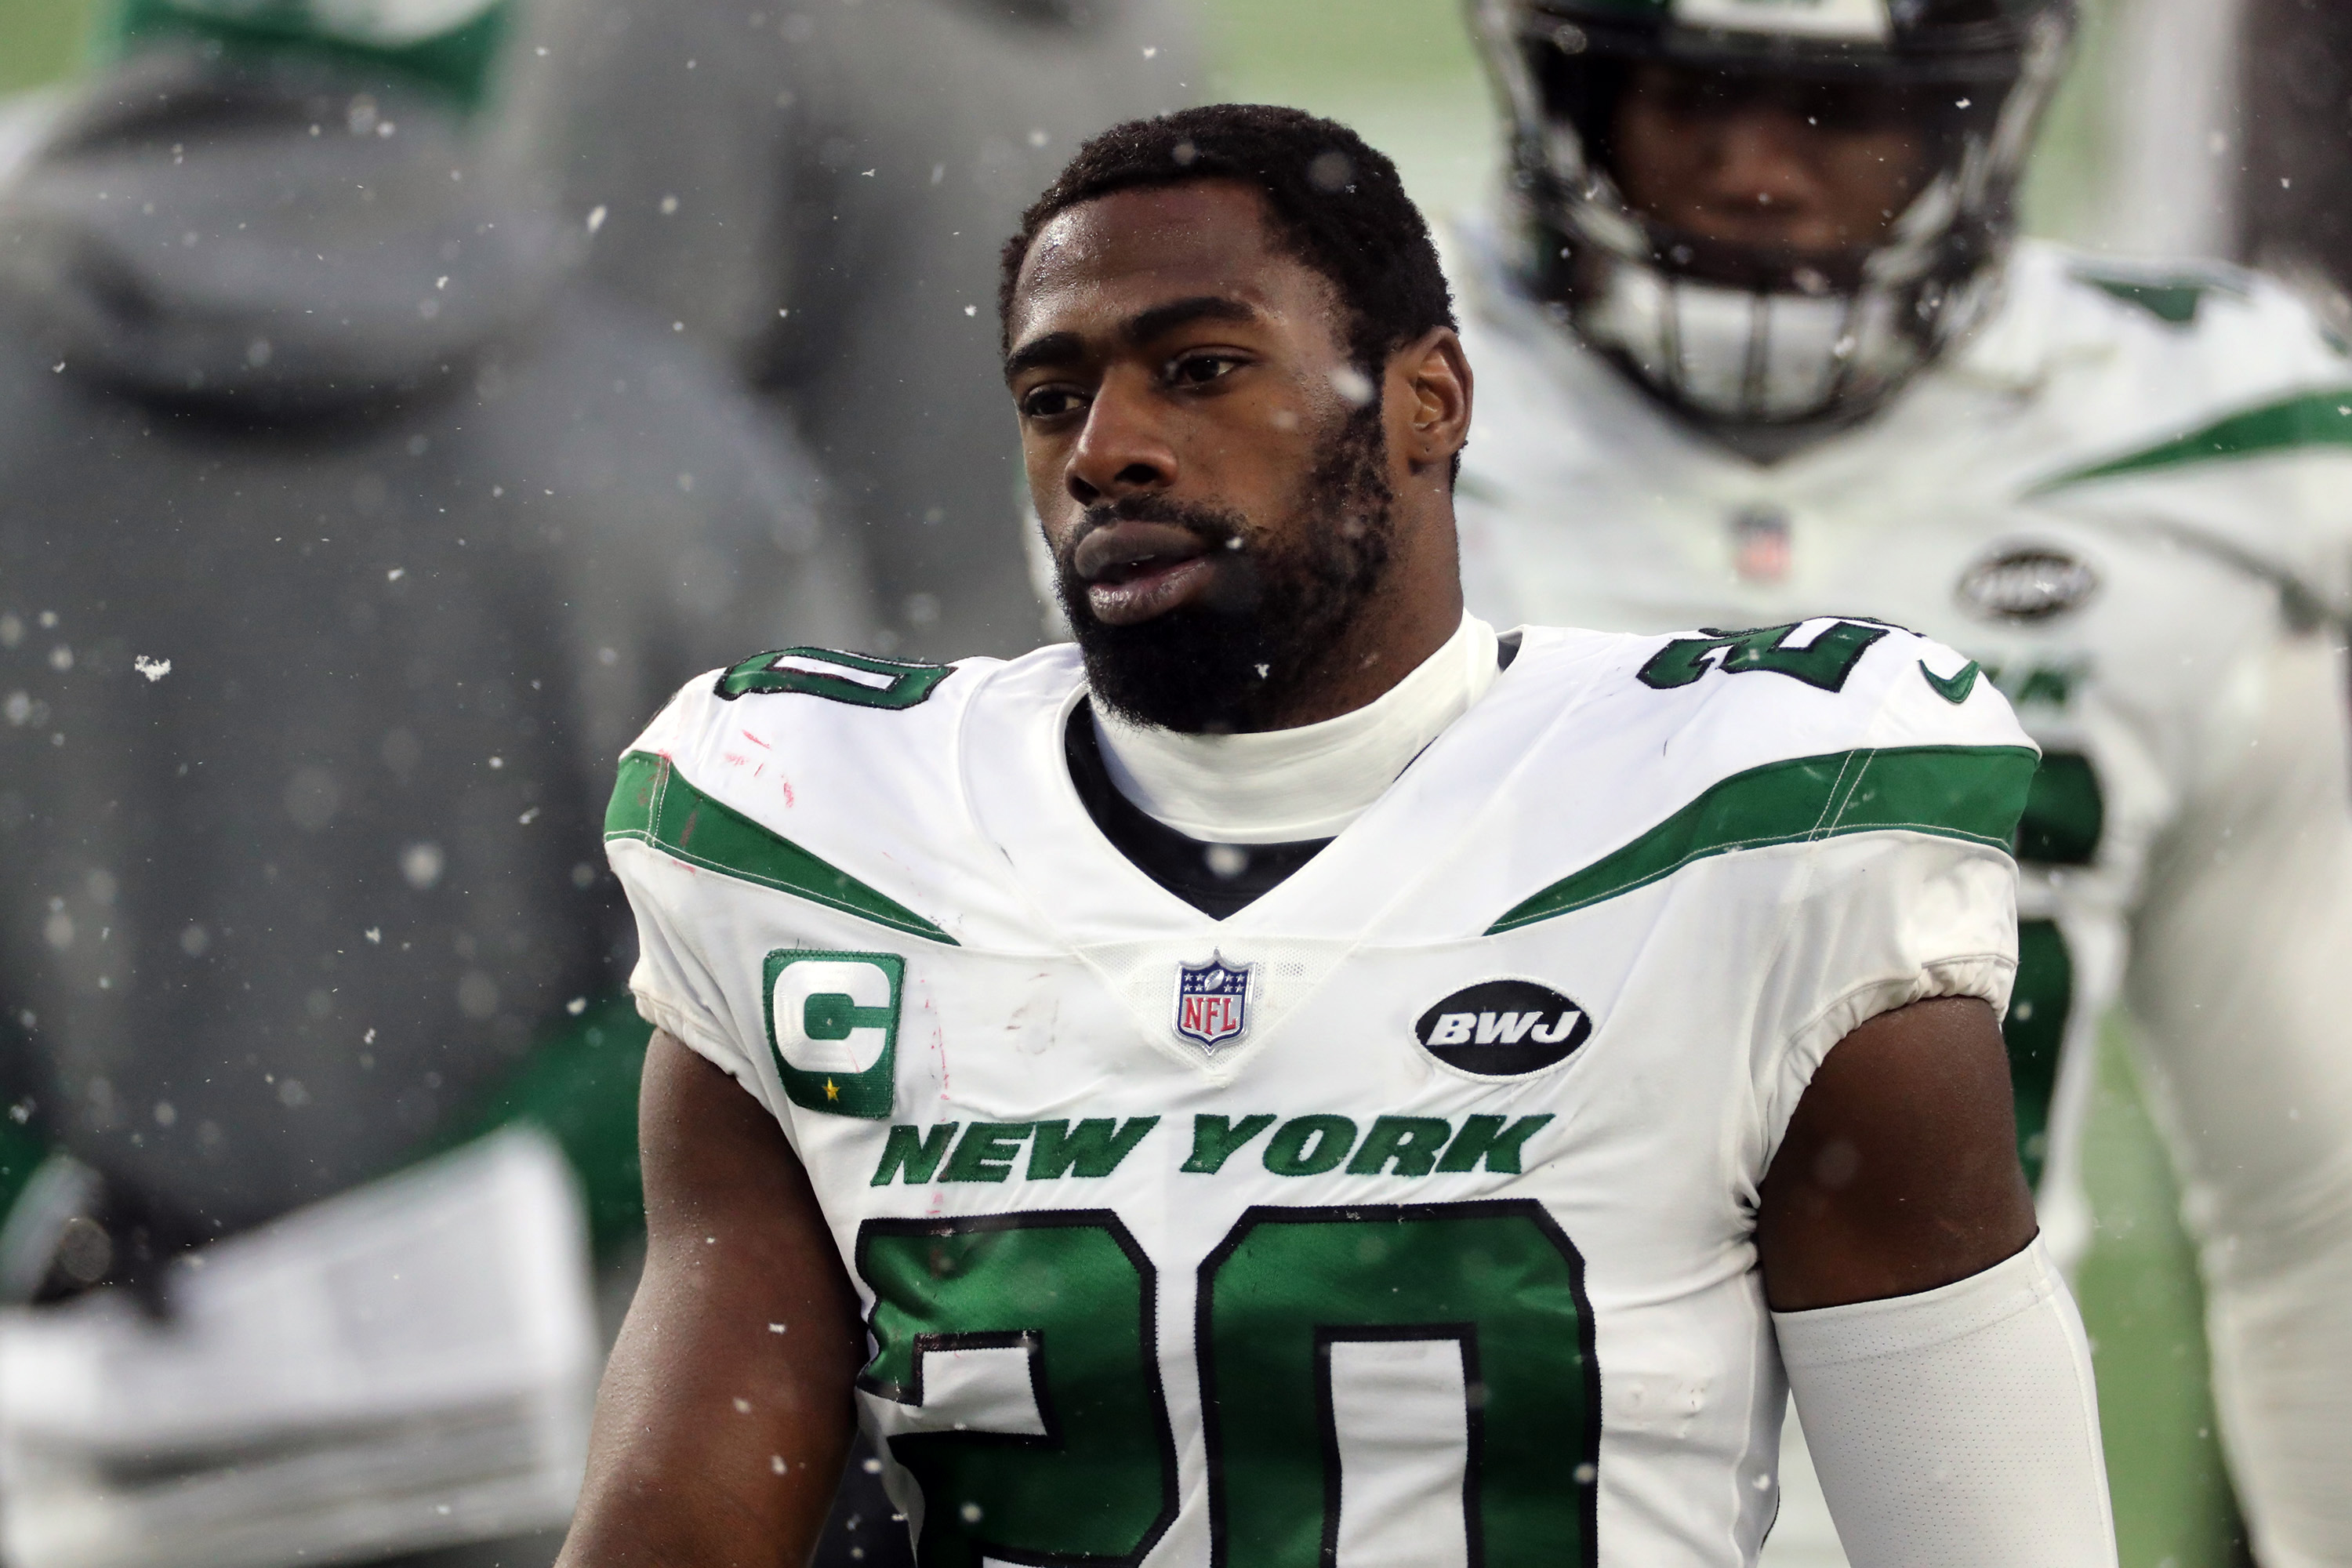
(1824,662)
(860,679)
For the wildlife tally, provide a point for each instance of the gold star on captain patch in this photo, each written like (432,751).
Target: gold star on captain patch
(831,1090)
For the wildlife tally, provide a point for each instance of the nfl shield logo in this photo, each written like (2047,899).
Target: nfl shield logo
(1212,1002)
(1759,537)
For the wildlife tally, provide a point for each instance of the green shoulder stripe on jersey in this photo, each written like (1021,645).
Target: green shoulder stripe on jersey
(1975,793)
(654,805)
(2173,298)
(2313,419)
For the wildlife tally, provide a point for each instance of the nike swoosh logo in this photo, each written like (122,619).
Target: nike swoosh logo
(1956,689)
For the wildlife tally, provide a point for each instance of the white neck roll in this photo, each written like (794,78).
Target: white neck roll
(1284,785)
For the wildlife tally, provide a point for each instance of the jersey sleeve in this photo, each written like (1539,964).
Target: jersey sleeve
(676,989)
(1909,891)
(2229,429)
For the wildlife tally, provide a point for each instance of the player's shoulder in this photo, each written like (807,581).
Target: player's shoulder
(2206,398)
(2169,340)
(835,777)
(807,702)
(827,748)
(2189,301)
(858,723)
(1895,725)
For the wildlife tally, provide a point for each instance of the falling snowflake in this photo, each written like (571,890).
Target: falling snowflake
(421,864)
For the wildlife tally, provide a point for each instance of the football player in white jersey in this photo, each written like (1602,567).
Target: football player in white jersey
(1295,1078)
(1756,342)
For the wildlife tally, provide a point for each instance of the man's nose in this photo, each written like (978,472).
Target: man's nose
(1123,448)
(1763,161)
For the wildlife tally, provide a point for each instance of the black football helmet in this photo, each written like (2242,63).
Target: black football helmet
(1751,337)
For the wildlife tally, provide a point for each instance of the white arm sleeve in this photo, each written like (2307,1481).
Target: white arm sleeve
(1957,1428)
(2237,978)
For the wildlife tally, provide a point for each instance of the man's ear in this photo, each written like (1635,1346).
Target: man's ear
(1430,385)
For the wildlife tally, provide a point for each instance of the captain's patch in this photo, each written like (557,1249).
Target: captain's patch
(833,1024)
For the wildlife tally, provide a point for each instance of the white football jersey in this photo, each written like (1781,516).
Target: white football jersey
(1404,1217)
(2121,498)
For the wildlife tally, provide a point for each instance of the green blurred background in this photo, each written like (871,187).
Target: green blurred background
(41,40)
(1403,73)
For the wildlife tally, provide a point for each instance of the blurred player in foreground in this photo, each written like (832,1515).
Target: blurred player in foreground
(341,543)
(1296,1075)
(1759,345)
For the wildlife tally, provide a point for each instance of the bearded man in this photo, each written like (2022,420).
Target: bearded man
(1296,1078)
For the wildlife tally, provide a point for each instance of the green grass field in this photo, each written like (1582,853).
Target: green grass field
(41,40)
(2145,1313)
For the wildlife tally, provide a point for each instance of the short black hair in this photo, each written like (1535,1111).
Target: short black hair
(1332,201)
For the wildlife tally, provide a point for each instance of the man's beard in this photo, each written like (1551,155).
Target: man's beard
(1236,661)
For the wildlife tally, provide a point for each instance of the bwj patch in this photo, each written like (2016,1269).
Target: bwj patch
(1212,1002)
(1504,1027)
(833,1022)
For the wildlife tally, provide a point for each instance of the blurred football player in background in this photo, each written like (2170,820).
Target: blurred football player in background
(342,543)
(1757,342)
(818,194)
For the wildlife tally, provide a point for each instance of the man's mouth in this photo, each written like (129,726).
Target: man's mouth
(1136,571)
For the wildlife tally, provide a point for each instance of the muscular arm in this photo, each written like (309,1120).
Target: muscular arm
(719,1439)
(1942,1374)
(1898,1172)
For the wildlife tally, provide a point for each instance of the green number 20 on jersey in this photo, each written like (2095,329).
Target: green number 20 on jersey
(1414,1376)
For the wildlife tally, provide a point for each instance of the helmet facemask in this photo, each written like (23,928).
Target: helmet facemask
(1769,343)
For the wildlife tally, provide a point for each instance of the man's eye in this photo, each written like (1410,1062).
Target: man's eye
(1199,370)
(1050,401)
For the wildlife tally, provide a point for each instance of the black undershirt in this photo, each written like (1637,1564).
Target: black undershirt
(1218,879)
(1178,862)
